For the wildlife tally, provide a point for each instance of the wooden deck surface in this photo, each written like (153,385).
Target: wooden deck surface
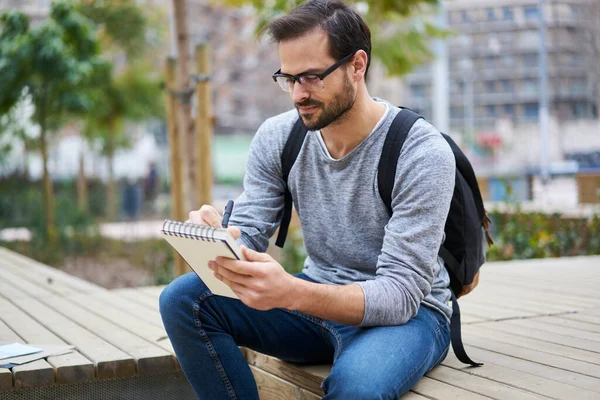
(535,325)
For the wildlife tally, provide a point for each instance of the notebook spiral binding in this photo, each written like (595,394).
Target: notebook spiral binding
(189,231)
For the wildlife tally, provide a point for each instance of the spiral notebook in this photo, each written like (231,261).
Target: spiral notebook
(199,244)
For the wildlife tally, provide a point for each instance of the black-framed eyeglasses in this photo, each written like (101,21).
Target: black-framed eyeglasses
(310,81)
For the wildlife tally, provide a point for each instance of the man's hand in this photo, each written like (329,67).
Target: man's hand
(260,282)
(208,215)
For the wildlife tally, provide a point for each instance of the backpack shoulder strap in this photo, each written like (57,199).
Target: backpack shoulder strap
(288,158)
(466,170)
(386,172)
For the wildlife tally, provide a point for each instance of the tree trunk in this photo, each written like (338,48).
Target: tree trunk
(111,189)
(47,181)
(82,197)
(185,117)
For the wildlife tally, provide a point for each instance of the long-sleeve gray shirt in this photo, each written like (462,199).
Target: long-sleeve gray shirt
(348,234)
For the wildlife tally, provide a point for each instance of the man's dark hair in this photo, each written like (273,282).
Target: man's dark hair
(346,29)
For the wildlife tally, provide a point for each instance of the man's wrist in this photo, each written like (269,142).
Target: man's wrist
(296,294)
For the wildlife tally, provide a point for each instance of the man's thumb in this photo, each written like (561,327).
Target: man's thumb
(252,255)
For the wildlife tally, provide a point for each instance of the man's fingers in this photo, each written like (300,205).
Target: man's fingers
(234,231)
(229,274)
(206,215)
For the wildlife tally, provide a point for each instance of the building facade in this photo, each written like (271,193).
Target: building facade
(494,63)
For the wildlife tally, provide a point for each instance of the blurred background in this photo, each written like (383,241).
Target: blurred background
(115,115)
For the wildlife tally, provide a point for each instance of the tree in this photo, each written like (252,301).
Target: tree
(128,92)
(132,96)
(186,125)
(400,41)
(51,63)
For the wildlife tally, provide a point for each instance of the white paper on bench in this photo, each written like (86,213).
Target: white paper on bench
(46,350)
(16,349)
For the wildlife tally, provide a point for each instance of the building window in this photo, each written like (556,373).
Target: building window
(579,110)
(491,16)
(507,14)
(490,61)
(490,87)
(417,91)
(509,109)
(531,12)
(531,111)
(530,86)
(456,112)
(464,16)
(578,86)
(491,110)
(530,60)
(507,86)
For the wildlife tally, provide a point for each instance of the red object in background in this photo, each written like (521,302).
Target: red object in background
(490,140)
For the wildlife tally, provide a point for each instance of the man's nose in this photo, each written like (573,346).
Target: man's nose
(299,93)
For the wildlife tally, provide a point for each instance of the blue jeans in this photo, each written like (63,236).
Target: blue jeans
(368,363)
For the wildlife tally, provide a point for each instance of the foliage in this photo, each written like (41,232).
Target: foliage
(122,24)
(294,252)
(517,236)
(21,200)
(400,30)
(50,62)
(521,235)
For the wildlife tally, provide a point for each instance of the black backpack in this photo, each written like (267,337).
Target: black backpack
(467,225)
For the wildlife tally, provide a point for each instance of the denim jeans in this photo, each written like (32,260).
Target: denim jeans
(368,363)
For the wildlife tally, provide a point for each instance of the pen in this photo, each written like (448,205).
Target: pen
(227,213)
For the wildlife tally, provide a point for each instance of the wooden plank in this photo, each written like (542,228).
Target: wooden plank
(47,272)
(150,358)
(581,382)
(487,297)
(304,377)
(7,336)
(110,361)
(482,386)
(567,364)
(534,323)
(134,295)
(21,287)
(412,396)
(558,320)
(125,320)
(502,292)
(146,313)
(583,317)
(488,331)
(271,387)
(434,389)
(545,336)
(70,368)
(492,311)
(574,293)
(153,291)
(34,374)
(587,339)
(524,381)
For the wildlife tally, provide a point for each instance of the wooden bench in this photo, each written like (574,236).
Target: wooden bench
(535,325)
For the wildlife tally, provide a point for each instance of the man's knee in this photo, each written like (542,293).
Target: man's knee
(179,296)
(358,386)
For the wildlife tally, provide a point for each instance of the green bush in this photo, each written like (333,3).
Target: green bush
(519,235)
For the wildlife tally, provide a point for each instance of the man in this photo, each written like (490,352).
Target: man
(373,295)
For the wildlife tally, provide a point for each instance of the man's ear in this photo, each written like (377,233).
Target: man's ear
(359,64)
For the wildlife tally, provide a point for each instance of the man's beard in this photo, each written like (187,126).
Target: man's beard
(338,109)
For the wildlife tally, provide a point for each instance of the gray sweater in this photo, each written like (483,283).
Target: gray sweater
(348,234)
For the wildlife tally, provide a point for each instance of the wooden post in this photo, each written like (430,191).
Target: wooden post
(183,84)
(204,126)
(175,150)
